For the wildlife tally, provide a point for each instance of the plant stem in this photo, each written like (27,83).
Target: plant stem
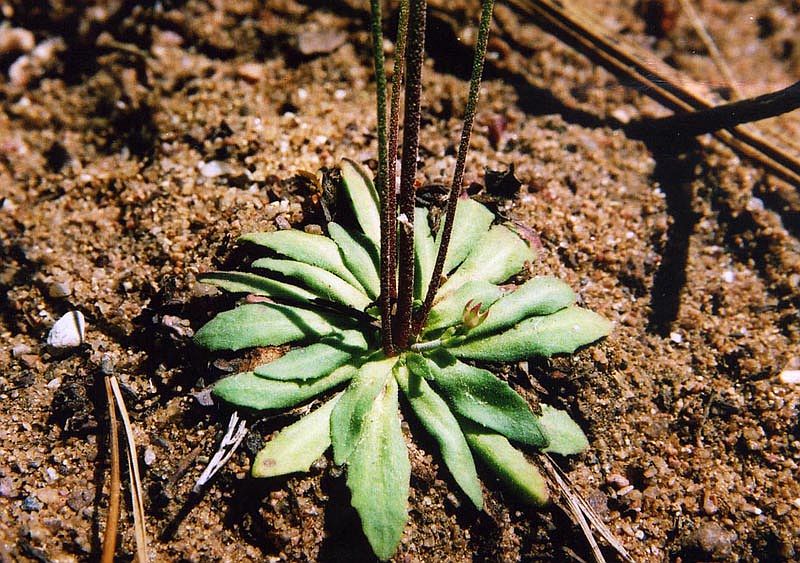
(390,219)
(112,519)
(411,118)
(385,183)
(458,174)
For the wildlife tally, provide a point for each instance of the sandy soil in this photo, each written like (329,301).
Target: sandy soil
(107,209)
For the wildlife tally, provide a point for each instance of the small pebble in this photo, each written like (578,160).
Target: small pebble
(728,276)
(251,72)
(214,169)
(617,481)
(676,337)
(68,332)
(19,350)
(790,376)
(283,223)
(149,456)
(7,488)
(31,504)
(58,290)
(15,39)
(319,42)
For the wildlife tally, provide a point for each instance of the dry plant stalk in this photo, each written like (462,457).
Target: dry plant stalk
(112,520)
(137,495)
(570,23)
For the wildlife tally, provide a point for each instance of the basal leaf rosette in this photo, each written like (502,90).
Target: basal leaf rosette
(321,293)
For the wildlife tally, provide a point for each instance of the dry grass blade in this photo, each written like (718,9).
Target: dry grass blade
(234,435)
(711,47)
(570,23)
(112,520)
(582,513)
(137,496)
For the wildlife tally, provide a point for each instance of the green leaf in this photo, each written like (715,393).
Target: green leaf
(315,250)
(248,390)
(436,418)
(315,360)
(379,474)
(263,324)
(498,255)
(471,222)
(507,462)
(364,198)
(359,256)
(298,445)
(449,310)
(243,282)
(560,333)
(537,296)
(563,433)
(350,414)
(424,253)
(480,396)
(319,281)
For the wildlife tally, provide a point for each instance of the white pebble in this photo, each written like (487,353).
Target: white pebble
(214,168)
(728,276)
(340,94)
(149,456)
(54,383)
(790,376)
(676,337)
(302,94)
(68,332)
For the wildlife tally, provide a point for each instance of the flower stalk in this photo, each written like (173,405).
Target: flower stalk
(458,174)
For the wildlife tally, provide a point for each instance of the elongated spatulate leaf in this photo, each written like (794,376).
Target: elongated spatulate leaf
(262,324)
(297,446)
(424,253)
(471,223)
(537,296)
(248,390)
(350,414)
(564,435)
(480,396)
(500,254)
(440,423)
(364,199)
(379,473)
(243,282)
(315,250)
(319,281)
(315,360)
(359,257)
(507,462)
(560,333)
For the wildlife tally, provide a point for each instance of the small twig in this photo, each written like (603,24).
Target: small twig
(137,495)
(405,237)
(725,116)
(711,46)
(584,511)
(584,33)
(237,430)
(112,519)
(461,158)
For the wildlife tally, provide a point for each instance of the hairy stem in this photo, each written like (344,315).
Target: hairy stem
(385,183)
(458,175)
(405,237)
(390,218)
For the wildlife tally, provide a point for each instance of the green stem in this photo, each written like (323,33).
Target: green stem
(411,118)
(458,175)
(384,181)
